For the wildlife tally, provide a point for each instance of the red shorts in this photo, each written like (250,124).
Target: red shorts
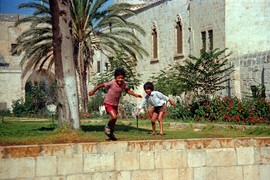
(109,108)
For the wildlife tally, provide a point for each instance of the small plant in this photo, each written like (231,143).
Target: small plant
(258,92)
(18,107)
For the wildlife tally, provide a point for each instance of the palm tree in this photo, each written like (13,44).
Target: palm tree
(94,27)
(36,42)
(37,45)
(103,29)
(65,74)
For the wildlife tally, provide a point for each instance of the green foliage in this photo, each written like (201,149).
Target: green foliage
(18,108)
(257,91)
(4,113)
(36,99)
(180,111)
(95,102)
(201,76)
(126,109)
(121,60)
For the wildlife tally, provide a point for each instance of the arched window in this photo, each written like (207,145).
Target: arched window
(154,43)
(178,36)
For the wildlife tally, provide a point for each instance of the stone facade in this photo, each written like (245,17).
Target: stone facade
(11,86)
(193,159)
(240,26)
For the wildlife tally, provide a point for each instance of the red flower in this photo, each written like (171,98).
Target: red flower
(86,115)
(230,103)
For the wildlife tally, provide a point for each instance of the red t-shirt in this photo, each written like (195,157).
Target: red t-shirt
(114,92)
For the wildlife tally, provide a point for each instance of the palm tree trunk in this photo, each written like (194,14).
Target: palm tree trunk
(84,92)
(82,78)
(67,94)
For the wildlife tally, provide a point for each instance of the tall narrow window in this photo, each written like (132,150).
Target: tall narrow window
(98,66)
(179,37)
(154,42)
(210,39)
(13,51)
(203,36)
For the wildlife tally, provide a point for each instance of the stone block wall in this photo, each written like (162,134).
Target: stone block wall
(243,158)
(251,69)
(10,87)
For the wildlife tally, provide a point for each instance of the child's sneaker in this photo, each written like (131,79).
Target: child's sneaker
(112,137)
(109,133)
(107,130)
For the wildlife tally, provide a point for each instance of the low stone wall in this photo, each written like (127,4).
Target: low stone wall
(226,158)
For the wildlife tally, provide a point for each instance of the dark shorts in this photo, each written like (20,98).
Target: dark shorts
(159,109)
(109,108)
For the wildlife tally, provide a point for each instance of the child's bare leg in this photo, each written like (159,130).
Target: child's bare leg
(109,128)
(153,121)
(113,119)
(160,120)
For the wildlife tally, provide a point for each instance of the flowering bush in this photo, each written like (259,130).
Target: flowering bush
(247,111)
(86,115)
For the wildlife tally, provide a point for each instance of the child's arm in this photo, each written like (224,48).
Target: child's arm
(95,89)
(171,102)
(143,103)
(138,112)
(133,94)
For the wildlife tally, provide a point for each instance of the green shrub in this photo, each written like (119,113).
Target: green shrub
(36,98)
(18,108)
(95,102)
(179,112)
(4,113)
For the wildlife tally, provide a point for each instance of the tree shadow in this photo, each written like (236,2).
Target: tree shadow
(97,128)
(50,127)
(120,127)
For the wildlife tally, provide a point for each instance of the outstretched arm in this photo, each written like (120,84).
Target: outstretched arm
(134,94)
(95,89)
(171,102)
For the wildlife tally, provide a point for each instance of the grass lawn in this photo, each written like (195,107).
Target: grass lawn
(14,131)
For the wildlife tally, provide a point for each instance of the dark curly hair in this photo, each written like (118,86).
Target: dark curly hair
(148,85)
(119,71)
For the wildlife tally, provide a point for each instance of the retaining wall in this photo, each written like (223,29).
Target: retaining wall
(193,159)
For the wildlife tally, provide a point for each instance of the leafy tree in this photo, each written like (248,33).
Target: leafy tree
(123,61)
(200,76)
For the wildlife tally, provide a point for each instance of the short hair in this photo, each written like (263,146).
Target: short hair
(119,71)
(148,85)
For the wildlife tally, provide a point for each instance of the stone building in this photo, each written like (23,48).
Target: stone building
(174,29)
(11,85)
(177,28)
